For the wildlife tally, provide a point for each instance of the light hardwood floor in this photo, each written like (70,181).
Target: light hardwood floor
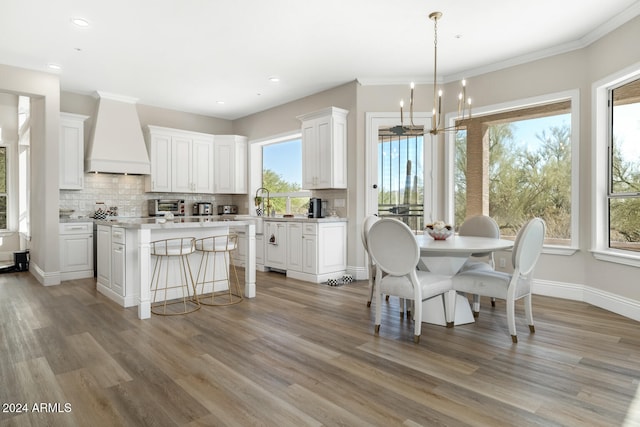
(304,354)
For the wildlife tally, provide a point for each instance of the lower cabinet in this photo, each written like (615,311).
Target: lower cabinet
(113,278)
(313,252)
(275,245)
(240,255)
(76,250)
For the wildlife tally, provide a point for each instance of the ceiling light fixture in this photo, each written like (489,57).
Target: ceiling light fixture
(80,22)
(464,103)
(274,79)
(53,66)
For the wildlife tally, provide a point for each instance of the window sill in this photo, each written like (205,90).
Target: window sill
(556,250)
(619,257)
(559,250)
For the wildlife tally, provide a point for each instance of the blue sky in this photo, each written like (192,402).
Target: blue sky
(277,157)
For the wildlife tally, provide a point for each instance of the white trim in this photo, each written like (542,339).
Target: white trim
(623,306)
(599,166)
(617,256)
(45,279)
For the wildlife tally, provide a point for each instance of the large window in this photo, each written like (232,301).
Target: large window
(624,167)
(518,164)
(282,176)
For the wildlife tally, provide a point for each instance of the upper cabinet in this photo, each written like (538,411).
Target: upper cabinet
(324,149)
(181,161)
(71,173)
(230,164)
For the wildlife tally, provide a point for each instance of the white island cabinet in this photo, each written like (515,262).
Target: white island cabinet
(312,250)
(125,264)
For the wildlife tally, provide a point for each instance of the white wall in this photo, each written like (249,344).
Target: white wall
(44,90)
(579,276)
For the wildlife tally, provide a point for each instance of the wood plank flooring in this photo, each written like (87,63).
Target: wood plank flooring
(302,354)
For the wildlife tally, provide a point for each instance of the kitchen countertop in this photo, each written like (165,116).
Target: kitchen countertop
(162,223)
(304,219)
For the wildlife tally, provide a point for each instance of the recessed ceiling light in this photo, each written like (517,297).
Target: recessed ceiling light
(220,102)
(274,79)
(53,66)
(80,22)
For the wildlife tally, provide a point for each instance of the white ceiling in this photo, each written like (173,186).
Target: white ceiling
(188,54)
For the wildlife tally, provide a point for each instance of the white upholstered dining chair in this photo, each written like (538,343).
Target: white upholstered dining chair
(395,251)
(369,220)
(480,226)
(510,287)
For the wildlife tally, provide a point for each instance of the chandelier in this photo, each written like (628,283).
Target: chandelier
(464,103)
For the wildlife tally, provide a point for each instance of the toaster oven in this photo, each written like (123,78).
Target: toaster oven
(161,207)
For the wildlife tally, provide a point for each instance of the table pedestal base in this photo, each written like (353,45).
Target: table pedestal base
(433,311)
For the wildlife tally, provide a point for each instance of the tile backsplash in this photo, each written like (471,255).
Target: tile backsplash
(127,193)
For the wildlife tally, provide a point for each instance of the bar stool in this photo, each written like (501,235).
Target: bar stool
(211,247)
(167,252)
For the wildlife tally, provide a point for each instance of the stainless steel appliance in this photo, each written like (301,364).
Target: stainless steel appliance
(161,207)
(315,208)
(227,209)
(202,208)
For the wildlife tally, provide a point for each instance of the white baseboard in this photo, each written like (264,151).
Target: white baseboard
(358,273)
(623,306)
(46,279)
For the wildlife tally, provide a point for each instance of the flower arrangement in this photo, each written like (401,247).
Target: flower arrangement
(439,230)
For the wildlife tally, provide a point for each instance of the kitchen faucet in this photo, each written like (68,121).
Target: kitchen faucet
(259,200)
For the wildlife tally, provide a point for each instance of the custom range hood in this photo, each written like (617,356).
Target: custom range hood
(117,144)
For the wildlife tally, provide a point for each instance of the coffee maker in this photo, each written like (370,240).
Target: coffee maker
(315,208)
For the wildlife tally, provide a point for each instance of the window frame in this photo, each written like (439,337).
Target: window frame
(256,173)
(569,95)
(600,163)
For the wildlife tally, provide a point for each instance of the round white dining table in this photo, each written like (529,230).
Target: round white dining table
(446,257)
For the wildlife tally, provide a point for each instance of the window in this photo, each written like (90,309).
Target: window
(282,176)
(401,178)
(517,164)
(624,167)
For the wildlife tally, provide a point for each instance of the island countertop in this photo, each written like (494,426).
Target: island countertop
(157,223)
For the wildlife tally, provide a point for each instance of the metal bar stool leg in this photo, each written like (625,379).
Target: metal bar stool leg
(180,300)
(216,249)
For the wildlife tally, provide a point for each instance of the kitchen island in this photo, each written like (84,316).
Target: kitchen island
(124,266)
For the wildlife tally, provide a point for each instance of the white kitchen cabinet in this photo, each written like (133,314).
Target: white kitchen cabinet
(294,246)
(76,250)
(159,145)
(181,161)
(240,255)
(115,278)
(103,260)
(324,149)
(118,260)
(301,247)
(71,159)
(312,251)
(230,164)
(275,243)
